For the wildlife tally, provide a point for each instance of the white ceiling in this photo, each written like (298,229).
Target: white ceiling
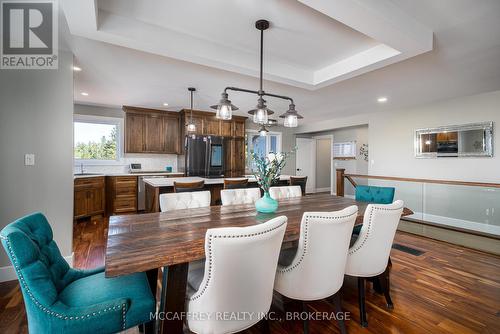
(311,43)
(199,43)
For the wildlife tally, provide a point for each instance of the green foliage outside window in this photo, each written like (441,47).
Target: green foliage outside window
(105,149)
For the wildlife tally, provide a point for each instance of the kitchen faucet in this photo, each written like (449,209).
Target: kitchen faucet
(82,170)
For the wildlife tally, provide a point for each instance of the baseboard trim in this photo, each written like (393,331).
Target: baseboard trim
(320,190)
(7,273)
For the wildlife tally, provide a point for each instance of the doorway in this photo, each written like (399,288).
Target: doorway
(314,160)
(323,163)
(305,158)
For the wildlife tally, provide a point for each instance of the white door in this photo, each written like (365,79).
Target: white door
(304,161)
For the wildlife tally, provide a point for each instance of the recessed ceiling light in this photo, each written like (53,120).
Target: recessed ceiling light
(77,69)
(382,99)
(84,94)
(165,104)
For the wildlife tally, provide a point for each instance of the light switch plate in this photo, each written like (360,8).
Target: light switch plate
(29,159)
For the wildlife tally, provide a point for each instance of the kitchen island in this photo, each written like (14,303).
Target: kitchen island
(156,187)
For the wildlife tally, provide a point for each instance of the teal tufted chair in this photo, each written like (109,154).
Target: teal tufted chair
(372,194)
(59,299)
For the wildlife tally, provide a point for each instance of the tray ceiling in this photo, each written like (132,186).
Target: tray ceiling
(311,43)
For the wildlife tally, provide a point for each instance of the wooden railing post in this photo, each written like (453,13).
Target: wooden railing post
(340,181)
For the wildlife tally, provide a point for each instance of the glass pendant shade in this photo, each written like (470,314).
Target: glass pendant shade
(260,116)
(291,121)
(191,127)
(224,112)
(224,108)
(291,117)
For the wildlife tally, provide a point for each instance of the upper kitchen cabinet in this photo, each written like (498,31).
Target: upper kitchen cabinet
(211,126)
(239,127)
(151,131)
(207,124)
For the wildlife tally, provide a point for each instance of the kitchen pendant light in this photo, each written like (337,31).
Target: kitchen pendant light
(260,114)
(224,108)
(291,117)
(191,127)
(263,131)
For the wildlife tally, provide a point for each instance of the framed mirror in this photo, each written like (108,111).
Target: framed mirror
(468,140)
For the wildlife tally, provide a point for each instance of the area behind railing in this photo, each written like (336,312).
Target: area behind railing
(471,207)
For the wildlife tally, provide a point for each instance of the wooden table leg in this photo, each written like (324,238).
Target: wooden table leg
(173,297)
(151,327)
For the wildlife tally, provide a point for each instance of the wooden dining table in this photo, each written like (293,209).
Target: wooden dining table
(171,240)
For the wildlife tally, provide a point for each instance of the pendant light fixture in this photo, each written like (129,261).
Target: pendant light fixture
(191,127)
(291,117)
(260,114)
(224,108)
(263,131)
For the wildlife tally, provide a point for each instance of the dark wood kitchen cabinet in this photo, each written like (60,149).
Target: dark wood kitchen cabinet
(89,199)
(208,124)
(235,157)
(151,131)
(121,194)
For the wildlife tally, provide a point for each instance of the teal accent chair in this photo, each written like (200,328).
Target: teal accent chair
(59,299)
(372,194)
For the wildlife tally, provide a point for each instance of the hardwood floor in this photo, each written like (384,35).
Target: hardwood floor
(447,289)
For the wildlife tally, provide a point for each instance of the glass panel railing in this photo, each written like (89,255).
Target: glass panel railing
(467,207)
(409,192)
(472,207)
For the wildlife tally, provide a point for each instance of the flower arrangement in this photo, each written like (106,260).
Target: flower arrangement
(267,171)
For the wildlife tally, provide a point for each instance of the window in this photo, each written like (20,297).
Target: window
(345,150)
(262,145)
(97,138)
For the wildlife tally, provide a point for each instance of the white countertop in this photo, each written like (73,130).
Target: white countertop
(79,176)
(169,182)
(145,174)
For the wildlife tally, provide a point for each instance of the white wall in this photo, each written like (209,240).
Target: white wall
(36,116)
(391,138)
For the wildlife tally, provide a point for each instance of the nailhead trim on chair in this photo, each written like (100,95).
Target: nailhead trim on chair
(45,309)
(200,293)
(369,227)
(306,229)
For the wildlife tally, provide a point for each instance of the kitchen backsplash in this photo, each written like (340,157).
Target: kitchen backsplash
(156,162)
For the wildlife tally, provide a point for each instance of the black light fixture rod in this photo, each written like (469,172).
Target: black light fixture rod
(256,92)
(261,59)
(241,90)
(279,96)
(191,90)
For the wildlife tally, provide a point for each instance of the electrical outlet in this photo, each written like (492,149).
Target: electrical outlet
(29,159)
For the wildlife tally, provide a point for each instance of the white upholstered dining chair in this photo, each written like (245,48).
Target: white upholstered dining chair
(239,196)
(285,192)
(316,270)
(238,276)
(184,200)
(369,255)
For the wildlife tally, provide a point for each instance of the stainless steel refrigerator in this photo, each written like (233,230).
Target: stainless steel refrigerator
(204,156)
